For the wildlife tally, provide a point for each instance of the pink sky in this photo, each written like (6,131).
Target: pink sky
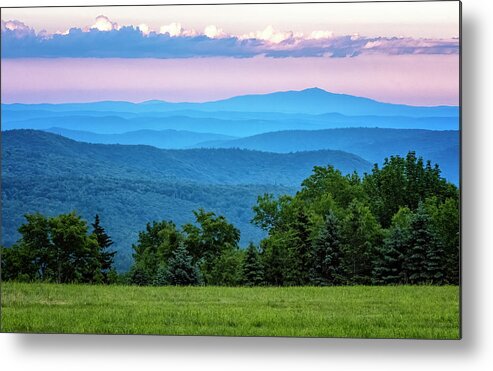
(435,19)
(407,79)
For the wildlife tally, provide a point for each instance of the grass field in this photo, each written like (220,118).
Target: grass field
(369,312)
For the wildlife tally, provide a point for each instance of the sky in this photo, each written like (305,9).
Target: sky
(399,53)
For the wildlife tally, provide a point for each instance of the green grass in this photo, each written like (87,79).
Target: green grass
(369,312)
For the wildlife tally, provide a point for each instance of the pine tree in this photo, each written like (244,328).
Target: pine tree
(435,263)
(422,248)
(299,251)
(252,270)
(362,234)
(274,258)
(139,276)
(181,270)
(113,277)
(326,254)
(161,277)
(104,242)
(391,258)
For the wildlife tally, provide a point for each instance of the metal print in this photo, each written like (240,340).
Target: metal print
(239,170)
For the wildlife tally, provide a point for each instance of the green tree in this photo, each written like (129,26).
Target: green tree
(271,214)
(139,275)
(445,220)
(161,277)
(327,255)
(425,258)
(181,270)
(56,249)
(299,251)
(328,180)
(211,237)
(404,182)
(226,270)
(18,264)
(391,257)
(361,236)
(275,259)
(76,254)
(106,258)
(34,254)
(252,268)
(154,248)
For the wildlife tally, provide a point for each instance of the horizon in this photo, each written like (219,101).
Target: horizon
(157,101)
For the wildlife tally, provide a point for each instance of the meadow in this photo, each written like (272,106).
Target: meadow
(424,312)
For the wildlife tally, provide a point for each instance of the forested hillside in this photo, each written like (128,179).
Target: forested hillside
(130,185)
(373,144)
(398,224)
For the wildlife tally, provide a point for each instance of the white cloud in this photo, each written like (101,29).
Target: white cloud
(17,27)
(272,35)
(213,32)
(189,33)
(103,23)
(318,35)
(173,29)
(144,29)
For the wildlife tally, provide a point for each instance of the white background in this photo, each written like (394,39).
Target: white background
(475,351)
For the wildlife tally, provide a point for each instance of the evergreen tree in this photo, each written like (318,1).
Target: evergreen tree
(326,254)
(181,269)
(139,276)
(275,258)
(161,277)
(299,251)
(446,226)
(252,269)
(389,263)
(424,262)
(112,277)
(104,241)
(361,236)
(435,263)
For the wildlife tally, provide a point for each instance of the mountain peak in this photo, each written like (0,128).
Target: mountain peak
(315,91)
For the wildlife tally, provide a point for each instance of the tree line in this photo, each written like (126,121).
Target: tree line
(398,224)
(60,249)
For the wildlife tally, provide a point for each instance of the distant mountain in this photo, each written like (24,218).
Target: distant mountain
(120,125)
(221,123)
(309,101)
(171,139)
(373,144)
(46,152)
(318,101)
(132,185)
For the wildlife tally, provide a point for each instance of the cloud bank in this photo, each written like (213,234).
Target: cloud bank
(107,39)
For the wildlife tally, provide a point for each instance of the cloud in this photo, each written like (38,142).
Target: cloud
(320,34)
(106,39)
(144,28)
(173,29)
(271,35)
(103,23)
(16,29)
(213,32)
